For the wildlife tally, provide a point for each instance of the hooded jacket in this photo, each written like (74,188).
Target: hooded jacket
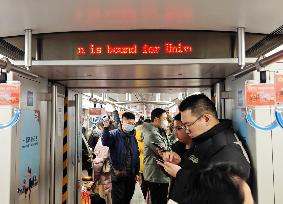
(219,144)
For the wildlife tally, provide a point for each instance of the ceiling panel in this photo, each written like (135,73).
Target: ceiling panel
(258,16)
(139,74)
(136,71)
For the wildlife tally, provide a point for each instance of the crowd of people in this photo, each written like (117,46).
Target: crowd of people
(193,158)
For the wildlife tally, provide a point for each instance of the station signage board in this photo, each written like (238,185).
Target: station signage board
(95,111)
(134,49)
(136,45)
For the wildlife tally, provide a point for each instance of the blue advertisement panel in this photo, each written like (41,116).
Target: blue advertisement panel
(29,156)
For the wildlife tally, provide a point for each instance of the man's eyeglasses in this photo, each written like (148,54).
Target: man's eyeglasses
(175,129)
(187,126)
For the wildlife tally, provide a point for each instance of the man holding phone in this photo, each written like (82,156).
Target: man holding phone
(155,139)
(214,141)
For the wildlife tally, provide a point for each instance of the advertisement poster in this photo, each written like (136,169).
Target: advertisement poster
(29,157)
(260,95)
(9,94)
(279,87)
(29,98)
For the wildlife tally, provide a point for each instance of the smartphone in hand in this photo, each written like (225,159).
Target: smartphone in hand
(160,160)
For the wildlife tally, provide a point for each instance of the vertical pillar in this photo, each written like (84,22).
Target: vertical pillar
(157,97)
(241,47)
(130,97)
(77,132)
(28,38)
(65,151)
(52,144)
(218,101)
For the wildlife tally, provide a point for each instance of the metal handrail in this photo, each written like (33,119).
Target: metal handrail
(260,64)
(8,66)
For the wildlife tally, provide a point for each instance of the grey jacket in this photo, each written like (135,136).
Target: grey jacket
(152,171)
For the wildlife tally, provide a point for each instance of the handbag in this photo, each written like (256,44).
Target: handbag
(138,195)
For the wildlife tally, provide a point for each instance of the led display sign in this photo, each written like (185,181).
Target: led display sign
(134,49)
(133,45)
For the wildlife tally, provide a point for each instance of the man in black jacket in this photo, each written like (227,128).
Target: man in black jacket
(182,148)
(213,142)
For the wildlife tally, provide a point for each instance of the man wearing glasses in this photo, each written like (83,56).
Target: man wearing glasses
(213,142)
(181,149)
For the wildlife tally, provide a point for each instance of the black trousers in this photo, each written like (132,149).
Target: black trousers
(144,186)
(123,189)
(158,192)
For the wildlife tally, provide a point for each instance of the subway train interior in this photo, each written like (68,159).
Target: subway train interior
(64,65)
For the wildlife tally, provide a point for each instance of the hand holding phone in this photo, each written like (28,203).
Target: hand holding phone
(160,160)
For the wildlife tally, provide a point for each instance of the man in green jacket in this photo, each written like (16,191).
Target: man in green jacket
(154,132)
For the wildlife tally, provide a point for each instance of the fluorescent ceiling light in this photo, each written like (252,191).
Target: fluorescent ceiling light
(2,56)
(274,51)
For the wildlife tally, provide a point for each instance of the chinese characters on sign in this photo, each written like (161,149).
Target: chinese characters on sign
(279,87)
(10,94)
(260,94)
(29,141)
(263,94)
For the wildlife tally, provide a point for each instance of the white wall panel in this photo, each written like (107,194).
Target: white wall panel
(259,142)
(6,155)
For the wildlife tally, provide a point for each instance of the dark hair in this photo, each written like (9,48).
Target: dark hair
(177,117)
(219,183)
(140,122)
(156,113)
(198,104)
(147,120)
(128,115)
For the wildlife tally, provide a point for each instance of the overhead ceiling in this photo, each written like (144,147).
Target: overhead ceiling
(258,16)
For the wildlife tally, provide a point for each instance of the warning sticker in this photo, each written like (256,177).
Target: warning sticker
(279,87)
(10,94)
(260,94)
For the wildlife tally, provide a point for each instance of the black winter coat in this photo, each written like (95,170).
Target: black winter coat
(219,144)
